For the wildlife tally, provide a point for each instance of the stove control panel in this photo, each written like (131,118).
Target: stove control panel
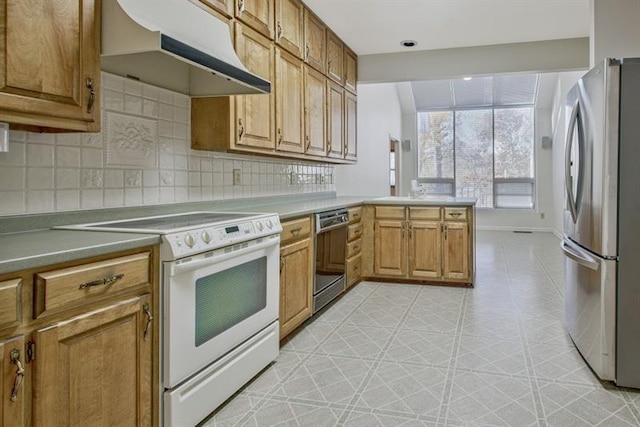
(205,238)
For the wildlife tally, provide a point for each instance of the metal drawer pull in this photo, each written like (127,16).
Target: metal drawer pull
(456,214)
(102,282)
(147,311)
(15,360)
(296,230)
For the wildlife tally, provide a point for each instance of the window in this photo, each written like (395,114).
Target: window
(486,153)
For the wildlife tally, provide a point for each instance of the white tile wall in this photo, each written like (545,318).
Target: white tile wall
(141,157)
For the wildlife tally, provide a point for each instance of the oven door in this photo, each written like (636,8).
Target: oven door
(215,301)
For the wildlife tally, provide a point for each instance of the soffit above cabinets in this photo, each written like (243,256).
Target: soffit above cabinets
(505,90)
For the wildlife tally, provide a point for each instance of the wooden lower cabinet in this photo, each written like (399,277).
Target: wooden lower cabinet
(12,381)
(95,369)
(438,247)
(296,275)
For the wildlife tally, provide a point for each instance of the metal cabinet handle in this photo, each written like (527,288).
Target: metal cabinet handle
(344,150)
(279,132)
(240,129)
(306,52)
(455,214)
(92,94)
(147,311)
(296,230)
(308,138)
(279,30)
(102,282)
(281,264)
(328,147)
(14,357)
(446,230)
(240,6)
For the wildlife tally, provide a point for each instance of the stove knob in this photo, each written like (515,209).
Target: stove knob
(206,237)
(269,224)
(190,240)
(259,226)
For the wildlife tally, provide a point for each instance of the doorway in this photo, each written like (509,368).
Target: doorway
(394,170)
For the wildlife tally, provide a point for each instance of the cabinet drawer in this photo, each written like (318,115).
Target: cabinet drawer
(73,286)
(10,309)
(354,272)
(354,248)
(355,214)
(354,231)
(424,213)
(390,212)
(455,214)
(296,229)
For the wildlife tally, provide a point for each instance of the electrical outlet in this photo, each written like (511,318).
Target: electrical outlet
(541,215)
(237,177)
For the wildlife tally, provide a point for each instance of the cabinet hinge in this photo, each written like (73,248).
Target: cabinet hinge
(31,351)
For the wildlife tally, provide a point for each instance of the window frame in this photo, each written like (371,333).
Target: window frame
(452,181)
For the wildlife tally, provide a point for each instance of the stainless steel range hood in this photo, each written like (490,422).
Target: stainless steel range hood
(176,45)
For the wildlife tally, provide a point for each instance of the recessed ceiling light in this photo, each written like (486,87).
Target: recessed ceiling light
(467,78)
(409,43)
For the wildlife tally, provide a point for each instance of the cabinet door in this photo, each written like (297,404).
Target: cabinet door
(315,42)
(456,250)
(95,369)
(223,6)
(335,120)
(289,21)
(12,381)
(390,249)
(289,103)
(350,132)
(255,114)
(335,58)
(425,250)
(350,70)
(315,112)
(50,74)
(296,285)
(258,14)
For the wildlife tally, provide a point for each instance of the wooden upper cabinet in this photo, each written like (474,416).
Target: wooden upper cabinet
(315,42)
(315,112)
(50,71)
(289,23)
(350,70)
(335,120)
(96,369)
(258,14)
(289,103)
(225,7)
(335,58)
(255,114)
(350,125)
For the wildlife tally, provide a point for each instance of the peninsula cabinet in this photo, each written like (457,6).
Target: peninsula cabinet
(296,274)
(84,350)
(423,244)
(354,246)
(50,76)
(257,14)
(289,103)
(289,26)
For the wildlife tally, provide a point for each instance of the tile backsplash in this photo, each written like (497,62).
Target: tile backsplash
(142,156)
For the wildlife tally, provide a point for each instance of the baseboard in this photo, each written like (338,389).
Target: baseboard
(511,228)
(557,234)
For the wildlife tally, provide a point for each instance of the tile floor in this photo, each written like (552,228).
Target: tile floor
(407,355)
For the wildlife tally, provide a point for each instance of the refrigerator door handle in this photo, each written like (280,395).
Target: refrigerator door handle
(567,162)
(580,256)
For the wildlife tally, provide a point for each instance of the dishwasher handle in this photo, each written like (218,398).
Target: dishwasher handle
(579,255)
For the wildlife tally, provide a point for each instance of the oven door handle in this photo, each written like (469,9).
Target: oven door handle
(175,269)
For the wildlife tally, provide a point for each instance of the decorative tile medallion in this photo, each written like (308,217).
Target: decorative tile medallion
(131,141)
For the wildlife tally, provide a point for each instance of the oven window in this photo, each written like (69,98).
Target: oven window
(226,298)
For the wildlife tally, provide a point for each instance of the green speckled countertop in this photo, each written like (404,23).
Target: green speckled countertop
(27,241)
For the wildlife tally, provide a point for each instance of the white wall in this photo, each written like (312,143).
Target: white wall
(379,117)
(614,29)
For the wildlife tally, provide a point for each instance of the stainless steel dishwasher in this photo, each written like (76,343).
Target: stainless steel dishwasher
(331,243)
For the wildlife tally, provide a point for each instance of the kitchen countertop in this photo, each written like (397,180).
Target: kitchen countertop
(28,242)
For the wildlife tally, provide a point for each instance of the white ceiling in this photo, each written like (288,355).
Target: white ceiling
(378,26)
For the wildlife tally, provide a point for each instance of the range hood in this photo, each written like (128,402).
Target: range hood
(176,45)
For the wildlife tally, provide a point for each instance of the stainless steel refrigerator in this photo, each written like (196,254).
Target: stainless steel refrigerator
(602,220)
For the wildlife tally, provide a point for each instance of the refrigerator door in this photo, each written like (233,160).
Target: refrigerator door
(590,307)
(591,160)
